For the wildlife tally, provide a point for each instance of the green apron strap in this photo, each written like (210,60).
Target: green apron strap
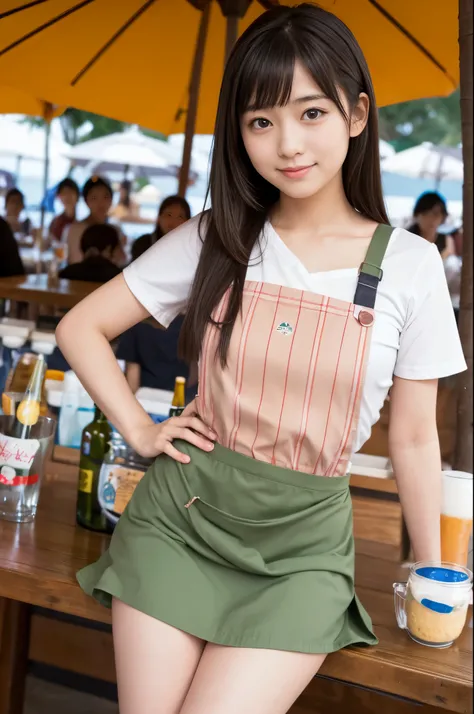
(371,273)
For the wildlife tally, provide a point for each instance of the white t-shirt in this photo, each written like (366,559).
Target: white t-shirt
(414,336)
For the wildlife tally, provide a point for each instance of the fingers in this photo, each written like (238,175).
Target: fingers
(175,454)
(190,436)
(197,425)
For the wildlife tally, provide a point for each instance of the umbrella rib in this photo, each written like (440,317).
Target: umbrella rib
(412,39)
(44,26)
(20,8)
(112,41)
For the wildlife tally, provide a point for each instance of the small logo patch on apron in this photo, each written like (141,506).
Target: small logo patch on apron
(285,328)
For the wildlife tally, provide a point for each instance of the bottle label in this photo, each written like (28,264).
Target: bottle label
(117,484)
(17,453)
(86,477)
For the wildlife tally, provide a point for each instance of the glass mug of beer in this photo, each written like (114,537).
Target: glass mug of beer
(432,606)
(456,516)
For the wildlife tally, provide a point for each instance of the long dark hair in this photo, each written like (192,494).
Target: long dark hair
(260,72)
(167,202)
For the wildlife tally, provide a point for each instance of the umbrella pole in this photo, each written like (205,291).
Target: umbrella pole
(463,447)
(193,100)
(47,115)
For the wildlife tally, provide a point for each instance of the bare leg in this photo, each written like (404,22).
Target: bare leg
(155,662)
(232,680)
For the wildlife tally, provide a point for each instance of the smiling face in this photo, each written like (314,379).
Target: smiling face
(300,147)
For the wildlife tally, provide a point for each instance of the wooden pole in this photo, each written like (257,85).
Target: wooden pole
(463,459)
(194,99)
(233,11)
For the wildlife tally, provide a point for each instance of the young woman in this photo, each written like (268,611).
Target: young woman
(173,212)
(97,193)
(126,209)
(231,572)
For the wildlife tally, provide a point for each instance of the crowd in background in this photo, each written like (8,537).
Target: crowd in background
(95,249)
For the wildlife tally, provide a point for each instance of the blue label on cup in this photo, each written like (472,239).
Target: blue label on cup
(437,606)
(442,575)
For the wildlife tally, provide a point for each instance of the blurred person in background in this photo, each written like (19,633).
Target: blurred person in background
(429,214)
(173,212)
(10,260)
(99,245)
(452,261)
(97,193)
(126,209)
(150,352)
(68,194)
(14,207)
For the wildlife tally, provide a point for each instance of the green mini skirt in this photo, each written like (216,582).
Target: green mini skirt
(239,553)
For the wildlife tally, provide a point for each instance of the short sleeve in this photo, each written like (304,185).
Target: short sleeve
(161,278)
(430,347)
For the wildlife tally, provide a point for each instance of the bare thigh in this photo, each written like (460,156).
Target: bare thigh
(232,680)
(155,662)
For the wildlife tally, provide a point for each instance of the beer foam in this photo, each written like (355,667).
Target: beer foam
(457,495)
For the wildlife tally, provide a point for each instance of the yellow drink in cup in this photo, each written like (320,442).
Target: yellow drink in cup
(456,516)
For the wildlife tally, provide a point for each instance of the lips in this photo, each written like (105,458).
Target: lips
(296,171)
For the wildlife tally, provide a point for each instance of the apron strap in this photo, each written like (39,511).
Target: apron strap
(370,271)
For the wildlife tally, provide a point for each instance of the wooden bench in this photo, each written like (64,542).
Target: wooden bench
(38,562)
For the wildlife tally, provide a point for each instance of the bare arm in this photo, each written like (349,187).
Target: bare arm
(416,460)
(84,336)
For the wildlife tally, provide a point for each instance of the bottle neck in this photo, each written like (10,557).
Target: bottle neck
(99,415)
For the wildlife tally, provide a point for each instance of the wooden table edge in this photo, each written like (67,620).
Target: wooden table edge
(346,665)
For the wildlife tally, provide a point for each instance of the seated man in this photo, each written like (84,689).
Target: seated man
(151,355)
(99,245)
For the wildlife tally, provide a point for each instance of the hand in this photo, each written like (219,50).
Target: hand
(155,439)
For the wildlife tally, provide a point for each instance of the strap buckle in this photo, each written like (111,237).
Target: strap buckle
(371,265)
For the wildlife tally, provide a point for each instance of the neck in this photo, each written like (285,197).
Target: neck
(326,209)
(70,211)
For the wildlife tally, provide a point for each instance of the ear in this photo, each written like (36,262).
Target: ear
(360,115)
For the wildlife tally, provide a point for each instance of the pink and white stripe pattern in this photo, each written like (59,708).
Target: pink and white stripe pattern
(290,394)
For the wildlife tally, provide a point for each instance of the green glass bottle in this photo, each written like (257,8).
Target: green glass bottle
(94,445)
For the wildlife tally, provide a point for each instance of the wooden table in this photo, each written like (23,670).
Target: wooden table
(38,562)
(35,289)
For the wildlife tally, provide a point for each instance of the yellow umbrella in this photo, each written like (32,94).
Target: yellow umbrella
(132,59)
(15,101)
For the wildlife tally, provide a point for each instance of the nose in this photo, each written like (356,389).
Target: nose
(290,141)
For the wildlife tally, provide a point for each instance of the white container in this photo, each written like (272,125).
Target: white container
(156,402)
(77,410)
(368,465)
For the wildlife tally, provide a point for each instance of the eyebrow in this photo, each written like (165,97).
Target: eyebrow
(299,100)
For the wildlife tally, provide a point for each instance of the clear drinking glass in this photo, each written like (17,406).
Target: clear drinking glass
(432,605)
(22,463)
(456,516)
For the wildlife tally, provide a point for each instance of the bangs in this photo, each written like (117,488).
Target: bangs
(266,74)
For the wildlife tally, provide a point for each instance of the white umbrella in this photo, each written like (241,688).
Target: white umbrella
(385,150)
(427,161)
(23,146)
(131,151)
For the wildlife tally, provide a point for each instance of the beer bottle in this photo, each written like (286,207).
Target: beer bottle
(28,410)
(178,403)
(95,443)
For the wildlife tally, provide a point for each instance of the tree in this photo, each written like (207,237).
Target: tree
(463,450)
(410,123)
(72,120)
